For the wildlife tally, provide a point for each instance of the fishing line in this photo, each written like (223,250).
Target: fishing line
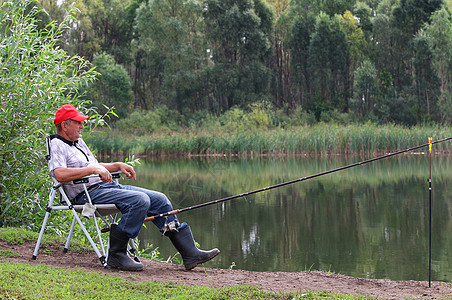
(177,211)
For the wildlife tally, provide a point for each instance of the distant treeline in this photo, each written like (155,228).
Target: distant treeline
(380,60)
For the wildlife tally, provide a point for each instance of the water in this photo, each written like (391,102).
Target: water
(369,221)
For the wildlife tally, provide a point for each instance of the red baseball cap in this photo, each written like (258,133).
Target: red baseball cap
(67,112)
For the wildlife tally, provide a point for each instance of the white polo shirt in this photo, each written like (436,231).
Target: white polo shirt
(68,154)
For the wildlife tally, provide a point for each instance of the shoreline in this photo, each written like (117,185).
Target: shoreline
(221,278)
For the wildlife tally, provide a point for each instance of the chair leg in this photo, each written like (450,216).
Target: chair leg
(76,219)
(82,226)
(88,236)
(44,223)
(69,237)
(99,236)
(132,250)
(41,233)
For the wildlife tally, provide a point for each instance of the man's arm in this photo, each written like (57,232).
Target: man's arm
(69,174)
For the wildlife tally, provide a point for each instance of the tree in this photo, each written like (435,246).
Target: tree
(410,15)
(172,53)
(386,40)
(298,42)
(100,26)
(426,81)
(363,13)
(79,37)
(365,88)
(439,37)
(395,25)
(110,28)
(328,63)
(36,77)
(113,87)
(331,8)
(239,33)
(280,60)
(280,6)
(358,48)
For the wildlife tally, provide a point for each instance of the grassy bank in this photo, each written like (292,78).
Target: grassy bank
(318,139)
(19,281)
(23,281)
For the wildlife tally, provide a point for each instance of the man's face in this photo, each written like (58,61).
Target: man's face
(73,130)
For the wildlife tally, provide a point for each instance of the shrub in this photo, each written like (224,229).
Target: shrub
(139,121)
(36,77)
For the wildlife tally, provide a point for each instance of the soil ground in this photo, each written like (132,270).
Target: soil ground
(270,281)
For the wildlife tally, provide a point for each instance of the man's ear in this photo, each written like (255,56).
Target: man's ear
(63,127)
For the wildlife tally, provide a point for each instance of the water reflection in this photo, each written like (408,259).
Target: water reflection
(369,221)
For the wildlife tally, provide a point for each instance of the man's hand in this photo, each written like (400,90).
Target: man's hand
(103,173)
(128,171)
(120,166)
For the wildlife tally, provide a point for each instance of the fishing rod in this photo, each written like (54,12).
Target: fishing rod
(177,211)
(430,213)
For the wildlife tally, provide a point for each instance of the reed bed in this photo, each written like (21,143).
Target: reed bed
(321,139)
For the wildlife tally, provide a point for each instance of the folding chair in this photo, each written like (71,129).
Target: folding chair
(87,210)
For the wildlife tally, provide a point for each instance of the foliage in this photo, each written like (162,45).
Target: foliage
(239,35)
(439,38)
(328,56)
(36,77)
(365,88)
(145,122)
(258,116)
(426,79)
(171,52)
(216,65)
(197,57)
(113,87)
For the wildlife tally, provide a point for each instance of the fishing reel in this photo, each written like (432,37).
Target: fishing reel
(170,227)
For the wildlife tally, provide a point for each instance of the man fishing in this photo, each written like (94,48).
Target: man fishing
(70,159)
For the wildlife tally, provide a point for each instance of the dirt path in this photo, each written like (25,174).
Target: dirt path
(271,281)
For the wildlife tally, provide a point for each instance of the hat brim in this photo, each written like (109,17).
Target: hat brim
(80,118)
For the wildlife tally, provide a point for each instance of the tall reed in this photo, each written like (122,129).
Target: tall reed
(321,139)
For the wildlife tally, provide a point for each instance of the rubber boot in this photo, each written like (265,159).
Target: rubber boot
(117,254)
(184,243)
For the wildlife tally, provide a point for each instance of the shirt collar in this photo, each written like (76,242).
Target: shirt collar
(70,143)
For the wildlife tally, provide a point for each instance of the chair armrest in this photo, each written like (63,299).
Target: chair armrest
(85,179)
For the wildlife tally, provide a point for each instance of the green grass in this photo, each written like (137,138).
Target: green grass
(15,235)
(321,139)
(18,235)
(8,253)
(23,281)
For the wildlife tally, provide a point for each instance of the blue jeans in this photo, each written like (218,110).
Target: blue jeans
(134,203)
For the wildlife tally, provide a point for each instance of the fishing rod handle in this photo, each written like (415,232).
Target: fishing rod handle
(152,218)
(170,213)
